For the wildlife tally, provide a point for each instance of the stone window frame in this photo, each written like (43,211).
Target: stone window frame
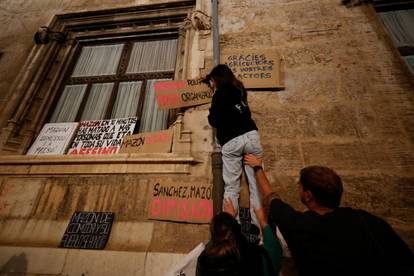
(120,75)
(387,5)
(45,70)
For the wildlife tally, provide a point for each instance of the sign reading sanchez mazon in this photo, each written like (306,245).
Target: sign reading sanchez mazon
(99,137)
(179,201)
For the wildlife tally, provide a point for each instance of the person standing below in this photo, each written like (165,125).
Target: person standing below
(328,239)
(228,253)
(237,134)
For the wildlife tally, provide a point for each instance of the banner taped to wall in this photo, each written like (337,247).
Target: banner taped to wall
(101,137)
(178,201)
(181,93)
(256,68)
(54,138)
(159,141)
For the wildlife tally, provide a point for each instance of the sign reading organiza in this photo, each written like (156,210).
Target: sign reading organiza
(101,136)
(177,201)
(88,230)
(255,68)
(181,93)
(54,138)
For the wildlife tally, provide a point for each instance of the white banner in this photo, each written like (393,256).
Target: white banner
(100,137)
(54,138)
(188,265)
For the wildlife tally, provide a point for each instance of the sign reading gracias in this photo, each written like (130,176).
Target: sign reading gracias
(255,68)
(88,230)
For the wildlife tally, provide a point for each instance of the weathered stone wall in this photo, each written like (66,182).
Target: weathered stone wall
(35,211)
(348,103)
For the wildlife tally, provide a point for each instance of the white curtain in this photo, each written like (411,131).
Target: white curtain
(69,103)
(153,56)
(126,102)
(400,25)
(98,60)
(97,102)
(410,62)
(152,119)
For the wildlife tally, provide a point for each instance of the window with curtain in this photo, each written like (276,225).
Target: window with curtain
(398,18)
(117,81)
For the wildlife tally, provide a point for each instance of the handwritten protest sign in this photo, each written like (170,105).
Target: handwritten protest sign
(88,230)
(54,138)
(181,93)
(255,68)
(159,141)
(249,230)
(101,136)
(177,201)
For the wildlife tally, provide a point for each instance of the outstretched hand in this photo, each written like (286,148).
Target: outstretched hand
(228,207)
(261,217)
(252,160)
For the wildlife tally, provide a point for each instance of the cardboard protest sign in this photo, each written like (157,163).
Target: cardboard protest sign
(101,136)
(159,141)
(249,230)
(255,68)
(88,230)
(181,93)
(177,201)
(54,138)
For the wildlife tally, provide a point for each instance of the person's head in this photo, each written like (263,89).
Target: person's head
(221,75)
(225,233)
(321,185)
(228,253)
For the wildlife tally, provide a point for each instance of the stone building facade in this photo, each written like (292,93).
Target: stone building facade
(347,103)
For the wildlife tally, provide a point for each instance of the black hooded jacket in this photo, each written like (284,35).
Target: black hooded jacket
(230,113)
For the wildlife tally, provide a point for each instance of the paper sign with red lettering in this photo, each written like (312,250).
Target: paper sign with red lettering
(54,138)
(101,137)
(181,93)
(255,68)
(159,141)
(178,201)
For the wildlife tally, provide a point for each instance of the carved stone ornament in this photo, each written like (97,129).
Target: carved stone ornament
(201,21)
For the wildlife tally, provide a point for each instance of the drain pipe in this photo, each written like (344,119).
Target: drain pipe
(216,38)
(216,161)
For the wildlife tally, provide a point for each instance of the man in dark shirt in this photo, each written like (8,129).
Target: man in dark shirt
(328,239)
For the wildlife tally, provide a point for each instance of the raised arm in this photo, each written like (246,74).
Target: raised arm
(261,179)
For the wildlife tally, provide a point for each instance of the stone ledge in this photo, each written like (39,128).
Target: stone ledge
(108,164)
(56,261)
(125,236)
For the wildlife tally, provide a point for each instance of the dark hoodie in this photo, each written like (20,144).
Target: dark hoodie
(230,113)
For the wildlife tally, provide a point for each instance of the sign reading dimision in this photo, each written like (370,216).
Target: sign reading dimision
(255,68)
(101,137)
(88,230)
(177,201)
(181,93)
